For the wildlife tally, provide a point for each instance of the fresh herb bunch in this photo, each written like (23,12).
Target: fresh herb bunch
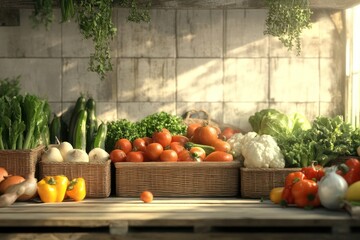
(137,13)
(43,13)
(121,128)
(157,121)
(286,20)
(10,87)
(95,22)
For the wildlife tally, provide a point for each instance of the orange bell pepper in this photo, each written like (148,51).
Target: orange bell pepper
(76,189)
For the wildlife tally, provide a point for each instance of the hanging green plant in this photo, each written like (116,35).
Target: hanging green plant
(43,13)
(95,22)
(286,19)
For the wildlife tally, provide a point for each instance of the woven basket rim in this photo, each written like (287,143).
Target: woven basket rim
(23,150)
(177,164)
(268,169)
(76,163)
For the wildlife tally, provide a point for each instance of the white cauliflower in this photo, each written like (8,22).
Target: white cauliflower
(257,151)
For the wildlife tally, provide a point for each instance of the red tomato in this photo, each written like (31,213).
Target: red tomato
(168,156)
(227,133)
(305,193)
(163,137)
(177,147)
(153,151)
(185,156)
(191,129)
(117,155)
(205,135)
(135,156)
(179,138)
(146,196)
(219,156)
(139,144)
(198,153)
(148,140)
(221,145)
(123,144)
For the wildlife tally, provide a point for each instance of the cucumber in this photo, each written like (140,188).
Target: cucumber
(91,123)
(55,130)
(79,135)
(80,105)
(99,140)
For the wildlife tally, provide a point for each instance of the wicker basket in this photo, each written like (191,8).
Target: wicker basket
(178,179)
(97,175)
(21,162)
(206,120)
(258,182)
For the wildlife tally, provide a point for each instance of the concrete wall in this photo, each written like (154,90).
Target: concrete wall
(213,59)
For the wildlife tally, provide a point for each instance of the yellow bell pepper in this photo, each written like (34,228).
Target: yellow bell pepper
(76,189)
(52,188)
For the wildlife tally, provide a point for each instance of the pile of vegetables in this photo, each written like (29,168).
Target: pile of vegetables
(202,145)
(123,128)
(315,186)
(23,122)
(65,152)
(302,143)
(83,131)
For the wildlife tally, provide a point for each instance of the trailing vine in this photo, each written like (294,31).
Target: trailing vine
(43,13)
(286,20)
(95,22)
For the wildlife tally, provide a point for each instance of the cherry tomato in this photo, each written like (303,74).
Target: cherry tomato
(139,144)
(205,135)
(179,138)
(168,156)
(191,129)
(123,144)
(153,151)
(185,156)
(163,137)
(146,197)
(221,145)
(198,153)
(117,155)
(177,147)
(227,133)
(135,156)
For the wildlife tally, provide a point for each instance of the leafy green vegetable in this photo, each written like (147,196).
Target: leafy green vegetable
(35,117)
(328,139)
(10,87)
(144,128)
(120,129)
(278,124)
(157,121)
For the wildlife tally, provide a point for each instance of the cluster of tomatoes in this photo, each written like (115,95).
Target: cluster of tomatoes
(201,143)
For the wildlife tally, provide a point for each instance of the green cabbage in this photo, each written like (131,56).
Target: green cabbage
(277,124)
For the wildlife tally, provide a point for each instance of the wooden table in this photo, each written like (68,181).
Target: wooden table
(180,218)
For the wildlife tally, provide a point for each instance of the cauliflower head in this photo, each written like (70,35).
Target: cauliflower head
(261,151)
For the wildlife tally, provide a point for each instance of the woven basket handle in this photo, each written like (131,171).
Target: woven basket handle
(193,111)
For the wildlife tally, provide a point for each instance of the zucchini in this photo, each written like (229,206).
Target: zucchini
(80,105)
(99,140)
(207,148)
(55,129)
(91,123)
(79,135)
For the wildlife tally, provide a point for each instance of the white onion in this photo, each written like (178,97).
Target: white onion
(76,155)
(332,189)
